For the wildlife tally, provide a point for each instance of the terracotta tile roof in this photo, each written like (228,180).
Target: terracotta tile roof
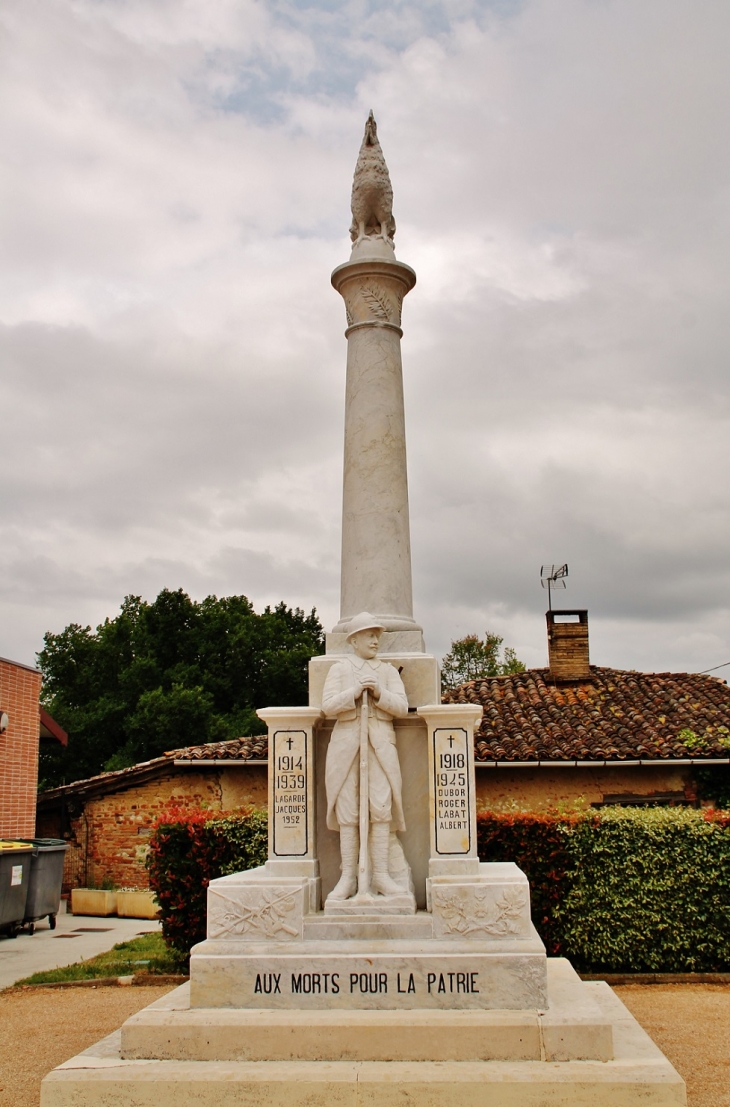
(615,716)
(236,749)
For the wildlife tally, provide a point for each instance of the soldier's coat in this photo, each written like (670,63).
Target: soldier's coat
(338,700)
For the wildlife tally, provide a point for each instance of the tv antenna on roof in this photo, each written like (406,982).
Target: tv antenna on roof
(552,576)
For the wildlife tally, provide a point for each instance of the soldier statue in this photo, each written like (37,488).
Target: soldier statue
(362,678)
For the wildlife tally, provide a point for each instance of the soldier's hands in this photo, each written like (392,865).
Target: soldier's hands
(372,686)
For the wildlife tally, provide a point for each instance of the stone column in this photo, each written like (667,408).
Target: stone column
(376,544)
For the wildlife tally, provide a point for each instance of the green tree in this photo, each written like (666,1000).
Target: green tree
(167,674)
(470,658)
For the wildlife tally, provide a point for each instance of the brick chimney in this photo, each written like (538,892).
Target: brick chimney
(568,645)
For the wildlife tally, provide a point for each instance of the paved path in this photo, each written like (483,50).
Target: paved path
(76,938)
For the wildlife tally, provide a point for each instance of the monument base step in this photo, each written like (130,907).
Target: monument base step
(413,928)
(573,1028)
(638,1076)
(360,974)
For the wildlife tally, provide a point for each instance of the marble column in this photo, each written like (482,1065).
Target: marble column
(376,545)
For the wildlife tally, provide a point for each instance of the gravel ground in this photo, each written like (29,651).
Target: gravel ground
(43,1027)
(691,1025)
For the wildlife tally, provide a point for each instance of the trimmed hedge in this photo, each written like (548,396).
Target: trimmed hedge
(620,890)
(650,892)
(624,889)
(188,849)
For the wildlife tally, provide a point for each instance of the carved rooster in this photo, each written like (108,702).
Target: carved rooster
(372,193)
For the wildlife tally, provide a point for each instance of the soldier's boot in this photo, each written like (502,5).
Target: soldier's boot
(346,886)
(380,879)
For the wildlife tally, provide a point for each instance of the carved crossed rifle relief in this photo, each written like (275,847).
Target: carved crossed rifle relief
(269,916)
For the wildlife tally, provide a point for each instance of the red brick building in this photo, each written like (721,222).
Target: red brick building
(23,725)
(107,819)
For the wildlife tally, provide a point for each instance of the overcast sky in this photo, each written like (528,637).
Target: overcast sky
(174,194)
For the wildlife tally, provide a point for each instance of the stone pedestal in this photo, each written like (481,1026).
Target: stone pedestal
(356,973)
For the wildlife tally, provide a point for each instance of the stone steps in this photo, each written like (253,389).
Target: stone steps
(638,1076)
(572,1028)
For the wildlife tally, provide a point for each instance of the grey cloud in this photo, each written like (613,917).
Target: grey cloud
(172,354)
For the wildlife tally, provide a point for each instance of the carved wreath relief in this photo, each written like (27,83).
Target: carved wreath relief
(465,912)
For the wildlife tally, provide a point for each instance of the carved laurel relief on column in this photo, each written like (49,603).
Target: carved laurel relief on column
(370,302)
(377,303)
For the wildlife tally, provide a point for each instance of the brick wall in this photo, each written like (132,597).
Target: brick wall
(108,834)
(528,789)
(20,688)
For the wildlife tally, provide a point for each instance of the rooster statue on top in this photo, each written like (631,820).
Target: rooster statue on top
(372,192)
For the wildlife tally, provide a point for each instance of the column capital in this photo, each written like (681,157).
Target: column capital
(373,290)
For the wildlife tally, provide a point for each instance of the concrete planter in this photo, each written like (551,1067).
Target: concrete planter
(137,905)
(93,901)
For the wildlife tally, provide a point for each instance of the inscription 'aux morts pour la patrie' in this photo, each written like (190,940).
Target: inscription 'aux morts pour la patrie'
(367,983)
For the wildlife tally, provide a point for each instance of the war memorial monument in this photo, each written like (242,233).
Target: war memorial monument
(373,959)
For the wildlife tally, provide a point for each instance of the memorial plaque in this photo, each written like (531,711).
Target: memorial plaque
(451,791)
(291,789)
